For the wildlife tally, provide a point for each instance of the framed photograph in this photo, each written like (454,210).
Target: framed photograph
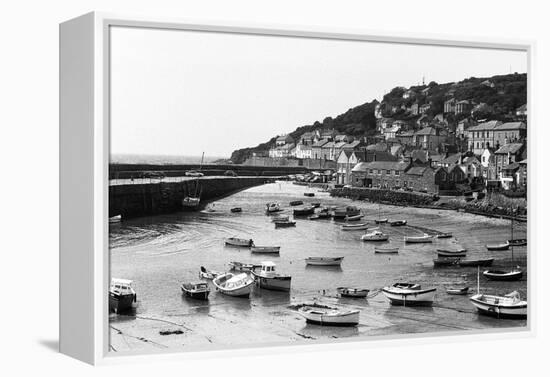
(234,187)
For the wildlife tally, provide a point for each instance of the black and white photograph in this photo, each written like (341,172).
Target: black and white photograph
(280,190)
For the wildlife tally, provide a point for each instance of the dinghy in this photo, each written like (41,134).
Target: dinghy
(500,275)
(446,261)
(362,226)
(265,249)
(304,211)
(284,224)
(444,235)
(518,242)
(498,246)
(457,291)
(268,278)
(309,194)
(324,261)
(207,274)
(239,242)
(352,292)
(425,238)
(508,306)
(375,236)
(296,203)
(381,221)
(408,294)
(199,291)
(274,219)
(272,207)
(115,219)
(236,210)
(399,223)
(354,218)
(234,285)
(451,253)
(325,315)
(386,250)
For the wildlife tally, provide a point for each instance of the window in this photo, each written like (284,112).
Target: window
(397,172)
(375,171)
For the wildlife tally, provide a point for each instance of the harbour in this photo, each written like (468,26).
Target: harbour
(161,252)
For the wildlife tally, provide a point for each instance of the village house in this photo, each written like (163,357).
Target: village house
(429,138)
(415,108)
(424,121)
(522,175)
(327,151)
(488,164)
(391,132)
(353,146)
(336,149)
(511,132)
(455,174)
(463,126)
(449,106)
(405,137)
(472,167)
(282,151)
(304,151)
(383,123)
(379,174)
(451,160)
(504,156)
(283,140)
(316,149)
(464,106)
(381,109)
(328,134)
(482,136)
(309,138)
(424,108)
(344,164)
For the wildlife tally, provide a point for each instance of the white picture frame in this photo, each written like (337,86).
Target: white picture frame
(84,156)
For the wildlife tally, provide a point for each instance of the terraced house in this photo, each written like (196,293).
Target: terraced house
(482,136)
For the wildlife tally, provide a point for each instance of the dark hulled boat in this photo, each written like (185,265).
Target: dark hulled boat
(199,291)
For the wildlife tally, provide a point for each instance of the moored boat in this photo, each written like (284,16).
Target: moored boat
(207,274)
(375,236)
(354,218)
(446,261)
(304,211)
(501,275)
(284,224)
(457,290)
(234,285)
(476,262)
(191,202)
(122,296)
(316,204)
(279,218)
(325,315)
(236,210)
(265,249)
(451,253)
(309,194)
(425,238)
(352,292)
(408,294)
(518,242)
(243,267)
(343,212)
(240,242)
(444,235)
(386,250)
(381,221)
(199,291)
(324,261)
(268,278)
(296,203)
(398,223)
(508,306)
(498,246)
(272,207)
(362,226)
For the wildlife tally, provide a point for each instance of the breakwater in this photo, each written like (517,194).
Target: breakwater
(385,196)
(141,197)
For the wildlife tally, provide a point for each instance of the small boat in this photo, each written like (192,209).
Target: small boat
(296,203)
(503,275)
(398,223)
(476,262)
(199,291)
(408,294)
(309,194)
(207,274)
(508,306)
(498,246)
(234,285)
(274,219)
(236,209)
(243,267)
(444,235)
(386,250)
(265,249)
(284,224)
(451,253)
(240,242)
(122,296)
(115,219)
(304,211)
(343,212)
(518,242)
(316,204)
(381,221)
(446,261)
(324,261)
(268,278)
(272,207)
(425,238)
(191,202)
(362,226)
(325,315)
(457,290)
(352,292)
(354,218)
(375,236)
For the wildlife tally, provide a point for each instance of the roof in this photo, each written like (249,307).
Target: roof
(437,157)
(268,263)
(511,126)
(386,165)
(417,170)
(487,126)
(340,144)
(330,144)
(510,148)
(470,160)
(353,144)
(320,143)
(452,159)
(512,166)
(284,137)
(395,149)
(121,281)
(426,131)
(347,152)
(377,147)
(406,134)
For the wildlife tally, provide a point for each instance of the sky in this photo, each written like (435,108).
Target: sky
(186,92)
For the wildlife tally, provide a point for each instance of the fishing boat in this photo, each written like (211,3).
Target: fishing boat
(381,221)
(199,291)
(239,242)
(409,294)
(243,267)
(399,223)
(457,290)
(272,207)
(444,235)
(518,242)
(208,274)
(122,296)
(296,203)
(324,261)
(354,218)
(476,262)
(451,253)
(343,212)
(498,246)
(265,249)
(507,306)
(316,204)
(309,194)
(352,292)
(276,218)
(268,278)
(325,315)
(304,211)
(284,224)
(386,250)
(425,238)
(500,275)
(362,226)
(375,236)
(115,219)
(236,210)
(446,261)
(239,285)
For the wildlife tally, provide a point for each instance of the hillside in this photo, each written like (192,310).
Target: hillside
(503,94)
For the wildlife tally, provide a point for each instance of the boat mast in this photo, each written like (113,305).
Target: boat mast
(477,279)
(202,160)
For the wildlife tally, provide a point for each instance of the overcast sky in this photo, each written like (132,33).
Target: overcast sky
(184,93)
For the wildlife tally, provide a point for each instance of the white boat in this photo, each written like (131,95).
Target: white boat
(508,306)
(425,238)
(352,292)
(375,236)
(268,278)
(265,249)
(208,274)
(241,242)
(115,219)
(498,246)
(122,296)
(408,294)
(354,218)
(191,202)
(234,285)
(500,275)
(451,253)
(386,250)
(272,207)
(325,315)
(324,261)
(362,226)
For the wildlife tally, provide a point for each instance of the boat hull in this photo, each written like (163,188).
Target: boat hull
(499,311)
(418,240)
(424,297)
(277,283)
(502,275)
(354,227)
(324,261)
(265,249)
(202,295)
(121,303)
(476,263)
(345,319)
(386,251)
(449,253)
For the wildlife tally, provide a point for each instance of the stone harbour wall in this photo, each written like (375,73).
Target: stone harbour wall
(385,196)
